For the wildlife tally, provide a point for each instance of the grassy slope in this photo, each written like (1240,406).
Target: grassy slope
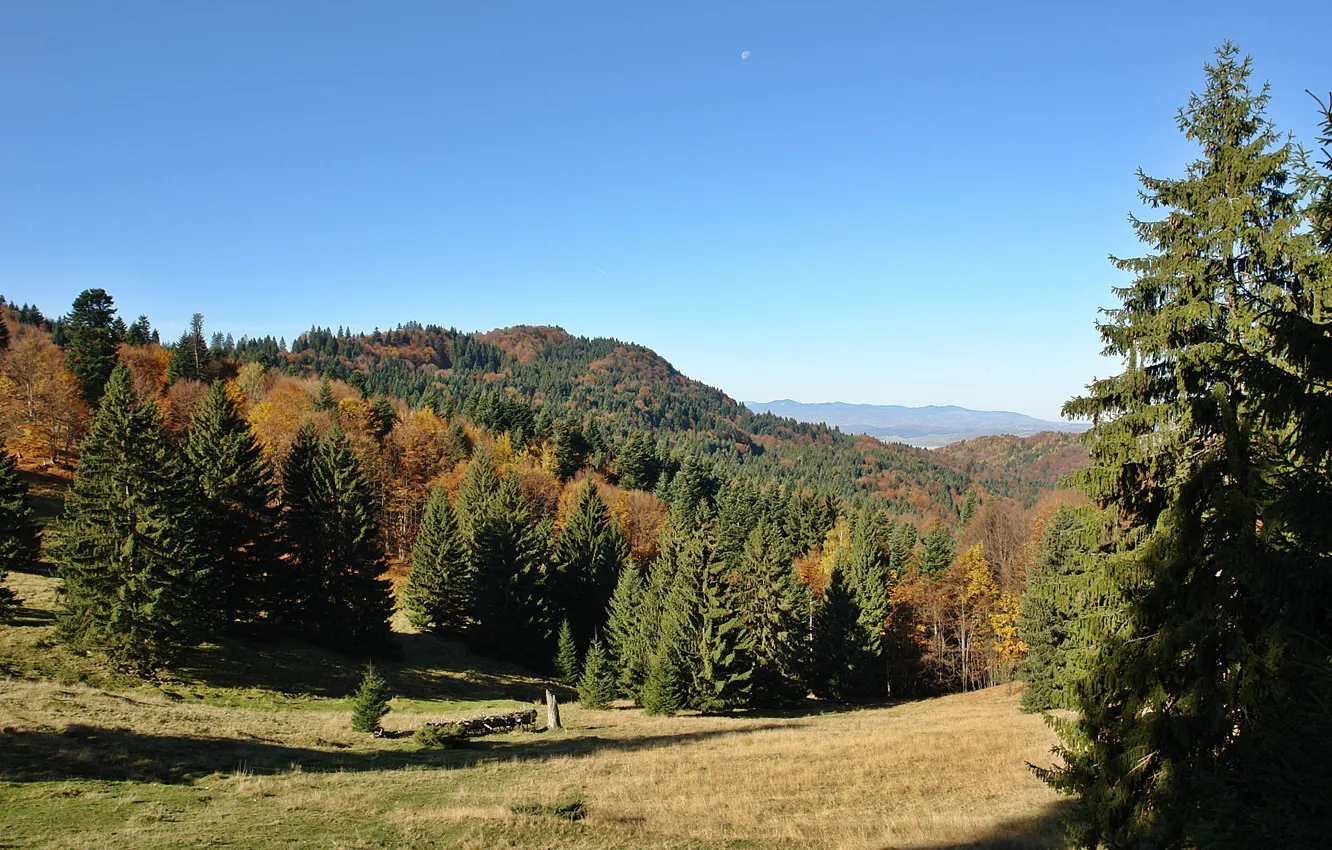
(260,752)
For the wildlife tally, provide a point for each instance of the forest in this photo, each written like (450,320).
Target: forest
(579,508)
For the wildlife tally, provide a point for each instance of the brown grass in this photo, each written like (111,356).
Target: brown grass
(161,766)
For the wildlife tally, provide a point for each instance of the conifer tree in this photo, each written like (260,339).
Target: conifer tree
(298,581)
(19,546)
(479,488)
(628,643)
(4,333)
(354,603)
(589,555)
(511,612)
(132,568)
(842,653)
(566,656)
(1205,718)
(325,402)
(190,358)
(936,554)
(238,493)
(438,592)
(370,702)
(766,598)
(636,463)
(90,341)
(597,685)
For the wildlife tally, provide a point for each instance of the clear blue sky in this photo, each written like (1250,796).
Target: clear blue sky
(885,203)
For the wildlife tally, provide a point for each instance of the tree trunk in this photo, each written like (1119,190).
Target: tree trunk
(552,712)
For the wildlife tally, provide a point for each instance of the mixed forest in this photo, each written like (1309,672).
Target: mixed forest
(579,507)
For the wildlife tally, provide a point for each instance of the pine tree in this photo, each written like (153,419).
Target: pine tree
(353,609)
(566,656)
(90,342)
(589,555)
(4,333)
(1204,722)
(238,494)
(438,592)
(570,448)
(511,613)
(597,685)
(636,464)
(370,702)
(479,488)
(19,545)
(132,569)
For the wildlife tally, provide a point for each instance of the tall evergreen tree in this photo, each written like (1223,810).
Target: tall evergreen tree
(596,685)
(439,591)
(936,554)
(479,488)
(511,610)
(325,402)
(354,603)
(566,655)
(19,545)
(190,358)
(132,569)
(1205,719)
(628,642)
(843,651)
(589,555)
(90,342)
(297,582)
(767,600)
(238,494)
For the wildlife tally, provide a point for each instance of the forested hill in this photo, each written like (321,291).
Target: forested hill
(517,378)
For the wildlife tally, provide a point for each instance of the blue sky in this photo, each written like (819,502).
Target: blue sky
(885,203)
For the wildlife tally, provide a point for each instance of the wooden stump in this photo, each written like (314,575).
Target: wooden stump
(552,712)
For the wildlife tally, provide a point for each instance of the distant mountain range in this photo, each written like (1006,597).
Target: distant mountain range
(927,427)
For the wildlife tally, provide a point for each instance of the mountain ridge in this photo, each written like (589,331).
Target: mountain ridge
(929,426)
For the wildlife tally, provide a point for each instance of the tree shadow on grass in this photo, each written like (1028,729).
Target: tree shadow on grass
(1043,830)
(90,752)
(429,668)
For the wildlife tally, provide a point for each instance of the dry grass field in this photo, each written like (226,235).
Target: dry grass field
(252,747)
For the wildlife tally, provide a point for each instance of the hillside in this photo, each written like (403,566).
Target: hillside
(916,426)
(625,388)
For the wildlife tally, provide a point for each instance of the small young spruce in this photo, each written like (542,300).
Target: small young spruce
(370,702)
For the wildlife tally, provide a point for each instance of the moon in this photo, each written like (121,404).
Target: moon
(744,54)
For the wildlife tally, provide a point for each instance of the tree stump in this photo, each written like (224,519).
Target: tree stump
(552,712)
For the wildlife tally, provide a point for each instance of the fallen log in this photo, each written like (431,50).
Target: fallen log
(490,724)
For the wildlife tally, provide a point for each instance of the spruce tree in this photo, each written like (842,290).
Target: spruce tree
(1204,721)
(479,488)
(190,358)
(628,643)
(842,651)
(238,495)
(597,685)
(325,402)
(299,580)
(566,656)
(766,598)
(589,555)
(511,610)
(133,572)
(936,554)
(353,609)
(370,702)
(19,545)
(438,592)
(90,342)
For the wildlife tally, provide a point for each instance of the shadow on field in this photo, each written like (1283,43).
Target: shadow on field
(1042,830)
(430,668)
(89,752)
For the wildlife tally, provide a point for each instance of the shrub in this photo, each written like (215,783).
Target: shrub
(370,702)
